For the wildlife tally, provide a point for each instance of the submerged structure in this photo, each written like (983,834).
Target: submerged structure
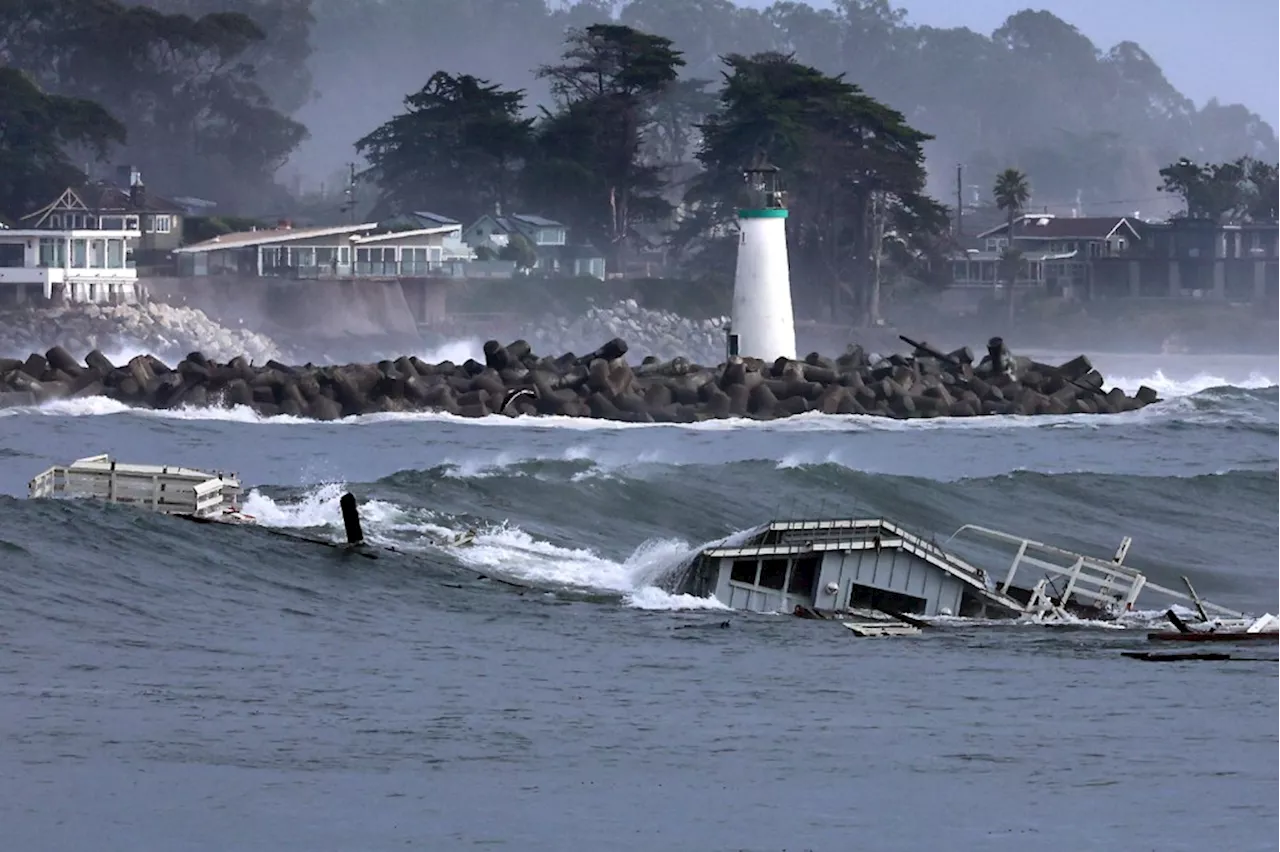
(166,489)
(882,577)
(763,323)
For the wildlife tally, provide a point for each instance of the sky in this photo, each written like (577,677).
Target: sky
(1229,49)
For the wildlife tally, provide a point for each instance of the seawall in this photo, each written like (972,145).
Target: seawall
(334,318)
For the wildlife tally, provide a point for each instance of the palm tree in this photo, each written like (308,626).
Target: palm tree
(1011,192)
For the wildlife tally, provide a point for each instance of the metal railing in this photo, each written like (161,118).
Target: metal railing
(171,490)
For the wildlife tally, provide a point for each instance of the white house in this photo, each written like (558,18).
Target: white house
(77,265)
(338,251)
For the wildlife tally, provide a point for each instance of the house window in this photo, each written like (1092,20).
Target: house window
(376,261)
(115,254)
(12,255)
(53,253)
(304,256)
(79,254)
(97,254)
(744,571)
(112,223)
(773,574)
(55,221)
(415,260)
(90,222)
(131,223)
(803,574)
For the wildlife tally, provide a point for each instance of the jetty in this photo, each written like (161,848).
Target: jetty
(513,381)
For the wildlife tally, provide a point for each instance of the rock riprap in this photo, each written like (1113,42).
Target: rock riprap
(514,381)
(166,330)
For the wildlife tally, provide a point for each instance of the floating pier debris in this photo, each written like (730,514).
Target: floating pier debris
(883,580)
(167,489)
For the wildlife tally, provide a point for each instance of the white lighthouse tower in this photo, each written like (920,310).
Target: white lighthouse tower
(763,325)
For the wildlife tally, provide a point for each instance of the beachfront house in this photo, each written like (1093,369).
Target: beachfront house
(1191,258)
(1056,252)
(333,251)
(553,254)
(70,264)
(122,206)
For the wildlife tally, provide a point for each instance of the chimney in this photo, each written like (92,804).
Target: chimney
(137,195)
(128,176)
(284,225)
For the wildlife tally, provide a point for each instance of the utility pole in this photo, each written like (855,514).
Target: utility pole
(959,199)
(349,205)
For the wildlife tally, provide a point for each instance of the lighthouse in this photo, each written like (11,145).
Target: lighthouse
(763,325)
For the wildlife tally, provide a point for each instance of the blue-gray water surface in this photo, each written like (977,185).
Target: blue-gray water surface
(176,687)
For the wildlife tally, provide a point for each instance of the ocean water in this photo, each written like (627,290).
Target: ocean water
(180,687)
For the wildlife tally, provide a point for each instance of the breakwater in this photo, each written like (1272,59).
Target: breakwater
(513,381)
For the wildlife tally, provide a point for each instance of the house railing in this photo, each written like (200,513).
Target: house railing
(404,269)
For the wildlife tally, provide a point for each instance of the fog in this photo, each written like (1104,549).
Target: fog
(369,54)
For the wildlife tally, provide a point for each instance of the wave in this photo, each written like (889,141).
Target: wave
(560,533)
(625,536)
(499,549)
(1171,388)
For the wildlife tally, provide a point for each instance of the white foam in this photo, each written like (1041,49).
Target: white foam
(1171,388)
(319,509)
(455,351)
(502,551)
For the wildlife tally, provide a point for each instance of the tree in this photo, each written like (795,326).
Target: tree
(519,250)
(1242,190)
(457,148)
(839,150)
(1011,192)
(588,165)
(199,121)
(279,59)
(35,130)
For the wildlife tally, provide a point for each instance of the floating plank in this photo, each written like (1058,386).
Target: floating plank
(1214,636)
(1149,657)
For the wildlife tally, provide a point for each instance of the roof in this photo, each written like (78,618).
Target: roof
(1032,256)
(436,218)
(418,232)
(519,222)
(536,221)
(104,197)
(190,202)
(1034,226)
(267,236)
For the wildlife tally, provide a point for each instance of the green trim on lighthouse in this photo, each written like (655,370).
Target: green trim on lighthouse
(763,213)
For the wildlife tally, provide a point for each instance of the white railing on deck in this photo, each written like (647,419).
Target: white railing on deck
(172,490)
